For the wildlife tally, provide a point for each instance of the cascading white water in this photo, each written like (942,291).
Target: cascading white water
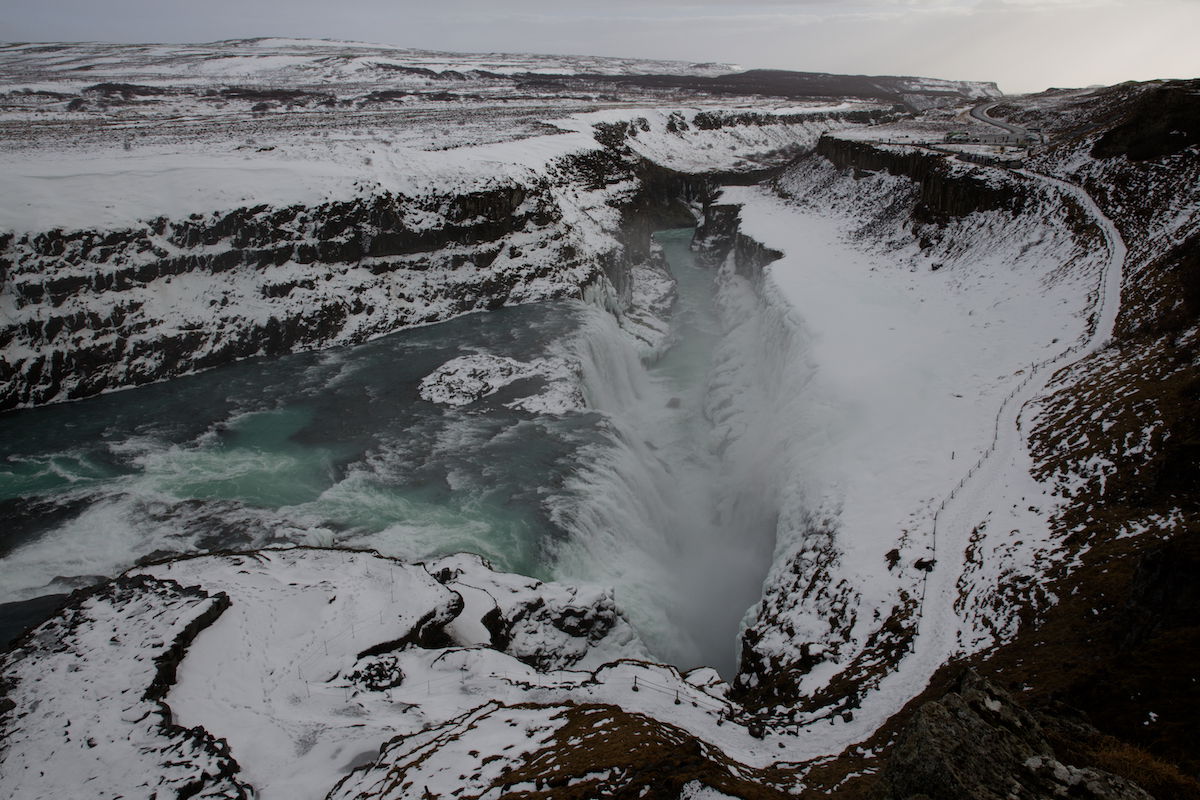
(669,495)
(678,521)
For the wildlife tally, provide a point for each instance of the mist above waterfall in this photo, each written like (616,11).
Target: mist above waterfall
(660,512)
(639,490)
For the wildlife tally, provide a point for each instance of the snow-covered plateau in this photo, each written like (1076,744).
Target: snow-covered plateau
(679,514)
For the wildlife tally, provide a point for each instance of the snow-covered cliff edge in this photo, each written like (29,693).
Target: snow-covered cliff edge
(157,284)
(891,346)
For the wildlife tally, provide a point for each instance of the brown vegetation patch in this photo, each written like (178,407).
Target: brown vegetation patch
(604,751)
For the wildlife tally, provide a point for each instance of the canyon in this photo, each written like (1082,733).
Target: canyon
(614,429)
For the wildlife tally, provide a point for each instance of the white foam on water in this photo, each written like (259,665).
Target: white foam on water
(665,511)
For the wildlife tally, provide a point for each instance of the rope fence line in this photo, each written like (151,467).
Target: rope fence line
(1088,341)
(707,704)
(681,695)
(686,693)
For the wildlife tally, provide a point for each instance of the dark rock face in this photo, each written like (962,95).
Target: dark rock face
(379,674)
(1162,122)
(664,198)
(943,192)
(92,315)
(719,238)
(717,233)
(750,256)
(977,742)
(429,631)
(586,619)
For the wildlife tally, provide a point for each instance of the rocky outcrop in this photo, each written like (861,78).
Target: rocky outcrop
(545,625)
(113,650)
(718,238)
(563,751)
(716,233)
(663,198)
(977,742)
(946,189)
(93,311)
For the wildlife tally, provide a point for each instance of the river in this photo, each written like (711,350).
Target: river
(338,447)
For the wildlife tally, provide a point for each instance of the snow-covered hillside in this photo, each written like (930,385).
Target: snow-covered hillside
(899,372)
(281,60)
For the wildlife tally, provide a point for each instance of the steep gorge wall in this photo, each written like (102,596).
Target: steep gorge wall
(89,311)
(719,239)
(946,189)
(922,215)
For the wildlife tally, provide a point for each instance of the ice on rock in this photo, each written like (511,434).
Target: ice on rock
(546,625)
(470,378)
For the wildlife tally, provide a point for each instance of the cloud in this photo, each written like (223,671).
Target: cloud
(1022,44)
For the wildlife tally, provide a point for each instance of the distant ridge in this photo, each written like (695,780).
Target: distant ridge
(913,92)
(307,62)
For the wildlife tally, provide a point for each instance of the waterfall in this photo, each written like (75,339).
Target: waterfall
(677,507)
(667,488)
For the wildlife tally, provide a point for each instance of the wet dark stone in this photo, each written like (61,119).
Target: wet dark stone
(977,742)
(18,617)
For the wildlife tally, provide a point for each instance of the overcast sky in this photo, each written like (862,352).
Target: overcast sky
(1024,45)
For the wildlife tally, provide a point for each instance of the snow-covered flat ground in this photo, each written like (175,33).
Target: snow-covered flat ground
(106,188)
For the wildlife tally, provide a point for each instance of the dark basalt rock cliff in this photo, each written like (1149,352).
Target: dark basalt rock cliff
(719,237)
(944,191)
(276,280)
(90,322)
